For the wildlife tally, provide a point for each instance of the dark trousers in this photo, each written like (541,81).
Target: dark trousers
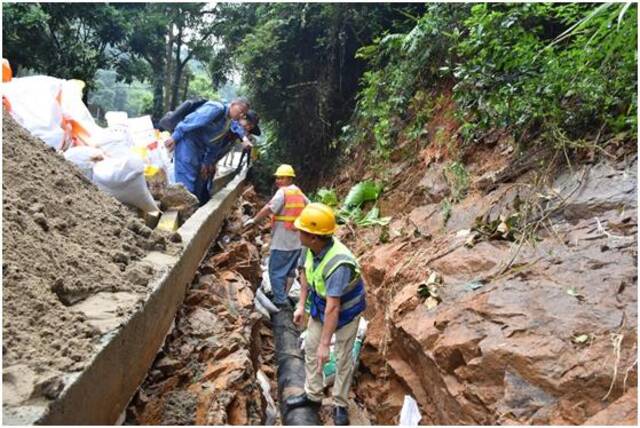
(247,153)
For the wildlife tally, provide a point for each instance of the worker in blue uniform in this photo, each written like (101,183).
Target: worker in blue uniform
(197,139)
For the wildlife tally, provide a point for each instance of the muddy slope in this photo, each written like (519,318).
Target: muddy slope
(64,242)
(517,333)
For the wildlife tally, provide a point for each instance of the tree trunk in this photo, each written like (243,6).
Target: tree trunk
(158,87)
(187,79)
(169,69)
(179,66)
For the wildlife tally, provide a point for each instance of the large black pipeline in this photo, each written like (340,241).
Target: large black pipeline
(290,370)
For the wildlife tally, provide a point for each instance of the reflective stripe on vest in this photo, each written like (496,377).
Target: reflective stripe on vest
(216,138)
(294,202)
(352,301)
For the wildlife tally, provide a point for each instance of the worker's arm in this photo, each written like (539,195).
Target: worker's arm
(264,212)
(274,206)
(298,315)
(331,312)
(335,285)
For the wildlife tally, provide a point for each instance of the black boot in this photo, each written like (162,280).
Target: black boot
(340,415)
(301,400)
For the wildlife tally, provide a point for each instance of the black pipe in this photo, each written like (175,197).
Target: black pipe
(290,370)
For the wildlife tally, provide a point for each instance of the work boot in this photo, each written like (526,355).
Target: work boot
(340,415)
(301,400)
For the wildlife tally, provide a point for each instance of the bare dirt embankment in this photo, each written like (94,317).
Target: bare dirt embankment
(535,329)
(71,266)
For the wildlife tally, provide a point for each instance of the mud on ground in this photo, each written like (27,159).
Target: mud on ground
(71,266)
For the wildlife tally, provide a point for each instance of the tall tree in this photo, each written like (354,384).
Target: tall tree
(167,37)
(298,63)
(62,40)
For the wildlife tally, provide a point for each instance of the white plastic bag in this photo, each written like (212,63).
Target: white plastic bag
(271,410)
(85,158)
(34,106)
(141,131)
(410,414)
(123,178)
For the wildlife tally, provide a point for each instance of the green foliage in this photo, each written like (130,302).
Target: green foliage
(373,218)
(362,192)
(200,86)
(402,65)
(458,178)
(62,39)
(351,211)
(327,197)
(110,95)
(446,206)
(515,76)
(532,69)
(299,66)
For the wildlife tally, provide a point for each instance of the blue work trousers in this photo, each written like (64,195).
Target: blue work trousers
(188,160)
(281,265)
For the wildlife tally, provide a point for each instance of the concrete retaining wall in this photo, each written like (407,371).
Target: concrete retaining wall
(100,393)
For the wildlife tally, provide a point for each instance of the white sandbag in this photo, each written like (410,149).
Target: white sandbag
(85,158)
(410,414)
(114,142)
(34,106)
(123,178)
(116,118)
(171,175)
(74,108)
(141,131)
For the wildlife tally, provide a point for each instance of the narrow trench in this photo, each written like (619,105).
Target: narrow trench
(218,363)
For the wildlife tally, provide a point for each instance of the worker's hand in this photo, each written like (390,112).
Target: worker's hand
(204,171)
(170,144)
(298,316)
(322,354)
(246,145)
(248,223)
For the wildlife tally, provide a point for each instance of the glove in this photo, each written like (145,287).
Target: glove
(170,144)
(249,223)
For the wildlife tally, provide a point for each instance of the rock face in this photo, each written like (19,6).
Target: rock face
(548,339)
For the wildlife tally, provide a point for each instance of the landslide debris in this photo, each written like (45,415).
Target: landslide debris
(540,330)
(207,371)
